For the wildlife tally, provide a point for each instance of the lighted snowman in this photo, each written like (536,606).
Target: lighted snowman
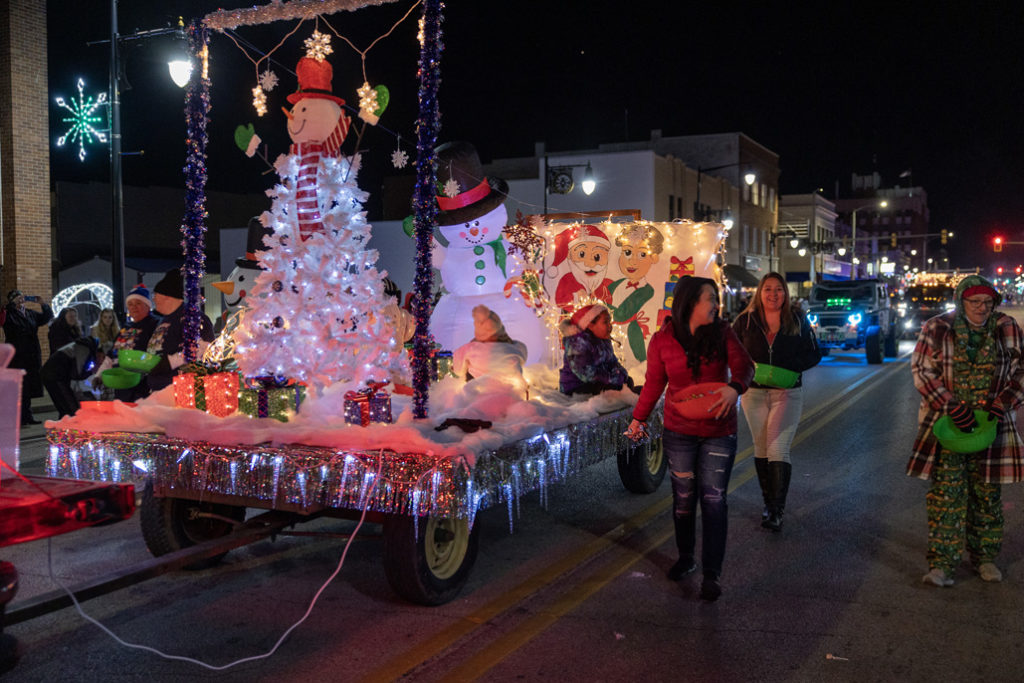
(317,126)
(473,256)
(243,276)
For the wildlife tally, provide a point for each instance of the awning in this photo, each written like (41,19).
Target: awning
(738,275)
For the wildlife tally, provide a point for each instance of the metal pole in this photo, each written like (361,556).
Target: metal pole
(697,213)
(116,190)
(544,184)
(853,245)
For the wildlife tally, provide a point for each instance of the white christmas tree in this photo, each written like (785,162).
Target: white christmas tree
(313,313)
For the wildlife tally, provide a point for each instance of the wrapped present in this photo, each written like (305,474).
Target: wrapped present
(441,365)
(371,404)
(213,392)
(271,397)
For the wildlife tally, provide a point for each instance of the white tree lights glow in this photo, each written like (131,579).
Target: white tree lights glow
(311,312)
(82,128)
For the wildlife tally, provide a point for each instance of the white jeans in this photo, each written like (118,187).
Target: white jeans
(773,415)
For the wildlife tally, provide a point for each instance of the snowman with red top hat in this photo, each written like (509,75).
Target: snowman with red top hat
(472,255)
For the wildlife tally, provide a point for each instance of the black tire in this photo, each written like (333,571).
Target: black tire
(873,346)
(428,563)
(642,469)
(825,350)
(892,344)
(170,524)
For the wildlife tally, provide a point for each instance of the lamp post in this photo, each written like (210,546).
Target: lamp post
(177,69)
(698,213)
(853,232)
(559,179)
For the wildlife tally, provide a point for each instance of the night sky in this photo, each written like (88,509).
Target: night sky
(833,88)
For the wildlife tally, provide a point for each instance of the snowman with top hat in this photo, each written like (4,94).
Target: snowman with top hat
(473,257)
(241,279)
(317,126)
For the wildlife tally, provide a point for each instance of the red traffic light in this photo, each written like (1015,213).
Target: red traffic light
(999,270)
(997,244)
(1018,270)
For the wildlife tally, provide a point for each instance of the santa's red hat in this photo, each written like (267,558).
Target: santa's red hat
(577,234)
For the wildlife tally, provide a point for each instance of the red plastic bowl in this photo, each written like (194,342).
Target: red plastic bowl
(693,401)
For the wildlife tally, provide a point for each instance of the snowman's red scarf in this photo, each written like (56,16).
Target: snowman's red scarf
(310,153)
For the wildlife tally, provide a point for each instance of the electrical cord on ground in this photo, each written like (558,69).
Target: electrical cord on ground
(179,658)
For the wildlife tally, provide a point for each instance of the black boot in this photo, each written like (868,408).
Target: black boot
(780,474)
(684,536)
(764,479)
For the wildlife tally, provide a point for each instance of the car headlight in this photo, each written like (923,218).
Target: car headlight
(812,319)
(854,319)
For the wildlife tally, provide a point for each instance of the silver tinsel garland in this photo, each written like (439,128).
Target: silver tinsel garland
(306,479)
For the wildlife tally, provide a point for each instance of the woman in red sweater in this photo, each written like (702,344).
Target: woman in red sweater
(695,346)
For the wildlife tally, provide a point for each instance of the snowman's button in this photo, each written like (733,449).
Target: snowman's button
(478,250)
(480,279)
(480,265)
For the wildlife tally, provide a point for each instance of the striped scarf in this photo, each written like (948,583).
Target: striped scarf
(306,201)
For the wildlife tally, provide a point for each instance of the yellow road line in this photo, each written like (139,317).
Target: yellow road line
(498,650)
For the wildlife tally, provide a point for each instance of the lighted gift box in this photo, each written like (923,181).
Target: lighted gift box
(215,393)
(278,402)
(371,404)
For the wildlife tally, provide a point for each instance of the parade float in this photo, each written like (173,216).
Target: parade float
(308,404)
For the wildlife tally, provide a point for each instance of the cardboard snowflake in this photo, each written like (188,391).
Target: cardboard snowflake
(399,158)
(268,80)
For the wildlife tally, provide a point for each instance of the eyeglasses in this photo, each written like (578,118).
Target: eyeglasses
(984,302)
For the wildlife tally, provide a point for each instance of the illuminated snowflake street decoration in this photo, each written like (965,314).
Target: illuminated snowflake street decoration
(82,120)
(318,46)
(268,80)
(399,158)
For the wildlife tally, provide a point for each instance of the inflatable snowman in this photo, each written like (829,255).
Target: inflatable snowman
(243,276)
(317,126)
(473,257)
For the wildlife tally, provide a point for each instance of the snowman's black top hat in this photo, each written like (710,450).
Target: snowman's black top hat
(253,244)
(477,194)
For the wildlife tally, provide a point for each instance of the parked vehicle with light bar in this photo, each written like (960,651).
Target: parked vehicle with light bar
(921,302)
(854,314)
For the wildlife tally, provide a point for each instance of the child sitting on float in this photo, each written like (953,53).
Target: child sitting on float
(491,353)
(590,365)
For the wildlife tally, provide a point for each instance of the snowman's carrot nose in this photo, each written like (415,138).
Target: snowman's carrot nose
(287,113)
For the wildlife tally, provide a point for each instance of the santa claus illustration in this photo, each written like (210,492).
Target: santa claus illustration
(586,249)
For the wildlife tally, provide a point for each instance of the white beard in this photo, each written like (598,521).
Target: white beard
(589,282)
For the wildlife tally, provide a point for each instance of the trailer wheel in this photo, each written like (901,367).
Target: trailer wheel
(430,562)
(170,524)
(642,468)
(873,346)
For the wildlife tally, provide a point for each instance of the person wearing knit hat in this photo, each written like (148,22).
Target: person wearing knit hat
(134,335)
(967,365)
(491,352)
(589,363)
(168,338)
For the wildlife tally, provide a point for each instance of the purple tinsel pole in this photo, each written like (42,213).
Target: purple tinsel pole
(193,227)
(424,204)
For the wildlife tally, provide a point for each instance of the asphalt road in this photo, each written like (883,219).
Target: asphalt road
(578,591)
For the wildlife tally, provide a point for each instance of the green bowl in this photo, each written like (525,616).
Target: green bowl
(140,361)
(119,378)
(952,439)
(774,376)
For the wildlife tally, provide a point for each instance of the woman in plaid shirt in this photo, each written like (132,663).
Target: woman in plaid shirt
(964,360)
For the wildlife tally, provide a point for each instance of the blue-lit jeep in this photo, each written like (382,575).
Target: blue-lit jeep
(852,315)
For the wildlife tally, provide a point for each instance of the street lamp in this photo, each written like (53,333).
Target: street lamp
(698,213)
(558,179)
(853,229)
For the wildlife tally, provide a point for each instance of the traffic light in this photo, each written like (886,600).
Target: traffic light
(892,240)
(1018,270)
(999,270)
(944,236)
(997,244)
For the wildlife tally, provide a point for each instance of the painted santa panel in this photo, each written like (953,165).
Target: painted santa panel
(631,267)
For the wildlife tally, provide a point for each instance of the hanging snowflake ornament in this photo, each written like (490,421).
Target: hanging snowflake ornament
(83,117)
(259,100)
(399,159)
(451,188)
(268,80)
(318,46)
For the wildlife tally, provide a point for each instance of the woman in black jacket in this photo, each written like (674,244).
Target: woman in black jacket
(776,334)
(21,329)
(64,330)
